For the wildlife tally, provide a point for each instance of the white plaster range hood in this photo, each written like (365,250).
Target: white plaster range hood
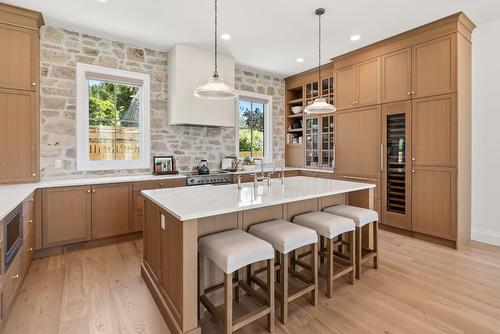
(188,68)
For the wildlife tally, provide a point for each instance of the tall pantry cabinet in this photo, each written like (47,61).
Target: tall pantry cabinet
(19,82)
(403,122)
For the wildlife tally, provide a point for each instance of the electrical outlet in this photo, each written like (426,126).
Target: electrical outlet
(57,163)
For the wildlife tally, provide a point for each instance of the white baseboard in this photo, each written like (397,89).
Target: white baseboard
(487,237)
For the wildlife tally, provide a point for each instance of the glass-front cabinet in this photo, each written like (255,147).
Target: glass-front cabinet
(320,144)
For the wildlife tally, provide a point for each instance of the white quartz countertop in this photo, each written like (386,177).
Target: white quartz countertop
(208,200)
(13,194)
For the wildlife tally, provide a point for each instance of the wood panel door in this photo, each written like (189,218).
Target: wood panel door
(434,131)
(19,136)
(358,142)
(434,67)
(111,210)
(19,65)
(396,174)
(434,201)
(345,88)
(66,215)
(151,235)
(368,83)
(396,76)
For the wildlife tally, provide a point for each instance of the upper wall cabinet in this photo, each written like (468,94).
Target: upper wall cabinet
(19,65)
(19,73)
(434,67)
(358,85)
(396,76)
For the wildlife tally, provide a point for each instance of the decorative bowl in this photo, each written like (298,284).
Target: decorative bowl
(297,109)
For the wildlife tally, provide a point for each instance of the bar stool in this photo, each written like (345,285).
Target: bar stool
(361,217)
(230,251)
(286,237)
(329,227)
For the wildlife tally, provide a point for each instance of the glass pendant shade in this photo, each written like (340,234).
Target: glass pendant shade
(320,106)
(215,89)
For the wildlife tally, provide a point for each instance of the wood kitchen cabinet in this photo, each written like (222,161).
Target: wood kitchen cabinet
(396,76)
(358,85)
(19,76)
(320,141)
(358,142)
(138,199)
(151,236)
(111,210)
(434,68)
(434,131)
(19,136)
(11,284)
(19,48)
(434,201)
(66,215)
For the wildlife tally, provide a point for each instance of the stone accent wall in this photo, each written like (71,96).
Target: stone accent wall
(61,50)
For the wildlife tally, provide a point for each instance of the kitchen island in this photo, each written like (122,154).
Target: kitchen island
(176,218)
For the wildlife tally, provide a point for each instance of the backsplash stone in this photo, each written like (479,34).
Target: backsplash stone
(61,50)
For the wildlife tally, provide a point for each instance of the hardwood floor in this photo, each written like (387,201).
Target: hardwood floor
(419,288)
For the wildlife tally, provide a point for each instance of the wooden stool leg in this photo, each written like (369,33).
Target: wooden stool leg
(322,248)
(375,244)
(284,287)
(237,287)
(314,272)
(329,262)
(270,294)
(358,251)
(277,255)
(228,303)
(352,256)
(201,285)
(293,260)
(249,275)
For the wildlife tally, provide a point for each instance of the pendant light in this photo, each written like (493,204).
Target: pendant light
(319,106)
(215,88)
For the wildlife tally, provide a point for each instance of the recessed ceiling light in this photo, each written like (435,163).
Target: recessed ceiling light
(355,38)
(225,36)
(300,60)
(102,0)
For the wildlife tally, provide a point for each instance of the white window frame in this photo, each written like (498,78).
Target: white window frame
(268,120)
(83,163)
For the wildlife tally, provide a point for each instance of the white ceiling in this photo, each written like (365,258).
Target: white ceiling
(266,34)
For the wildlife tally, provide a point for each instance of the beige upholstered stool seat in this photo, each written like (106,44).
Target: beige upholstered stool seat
(325,224)
(329,227)
(234,249)
(360,216)
(230,251)
(285,238)
(283,235)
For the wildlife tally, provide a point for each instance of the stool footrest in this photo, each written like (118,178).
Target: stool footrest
(251,317)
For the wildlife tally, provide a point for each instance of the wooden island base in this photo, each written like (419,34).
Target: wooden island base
(171,246)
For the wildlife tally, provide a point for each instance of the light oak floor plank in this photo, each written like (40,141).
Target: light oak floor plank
(419,288)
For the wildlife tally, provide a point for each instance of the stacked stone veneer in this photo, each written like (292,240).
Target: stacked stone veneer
(61,50)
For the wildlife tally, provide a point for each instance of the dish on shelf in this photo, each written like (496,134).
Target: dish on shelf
(297,109)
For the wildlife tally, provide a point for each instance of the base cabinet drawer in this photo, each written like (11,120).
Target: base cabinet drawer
(12,279)
(27,253)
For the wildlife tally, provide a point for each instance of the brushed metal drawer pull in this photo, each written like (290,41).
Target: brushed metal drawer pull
(30,249)
(161,184)
(16,276)
(30,221)
(355,178)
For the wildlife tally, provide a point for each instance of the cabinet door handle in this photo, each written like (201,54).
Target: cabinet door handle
(88,191)
(33,83)
(334,162)
(30,249)
(355,178)
(161,184)
(93,190)
(34,174)
(381,157)
(413,171)
(30,221)
(412,93)
(16,276)
(409,93)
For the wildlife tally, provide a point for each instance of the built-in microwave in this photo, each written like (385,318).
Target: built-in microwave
(13,234)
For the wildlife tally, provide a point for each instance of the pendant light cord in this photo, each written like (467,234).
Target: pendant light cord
(319,53)
(216,73)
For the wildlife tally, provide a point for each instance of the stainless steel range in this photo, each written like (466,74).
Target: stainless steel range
(212,178)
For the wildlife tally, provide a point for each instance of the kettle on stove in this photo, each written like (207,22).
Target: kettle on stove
(203,167)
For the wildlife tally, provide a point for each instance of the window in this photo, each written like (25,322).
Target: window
(254,126)
(112,119)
